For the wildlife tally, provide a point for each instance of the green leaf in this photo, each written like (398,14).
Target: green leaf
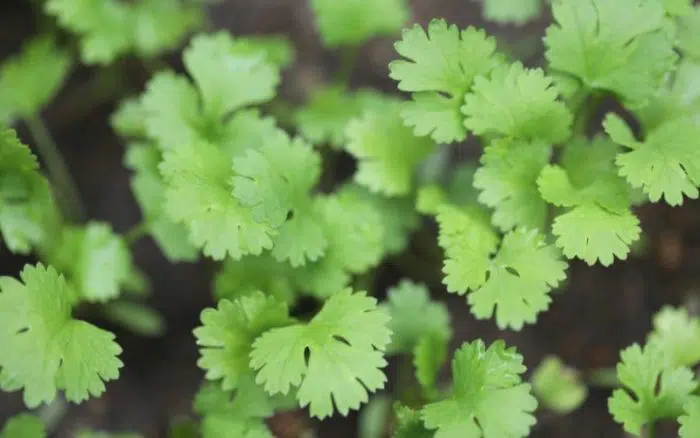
(409,424)
(677,336)
(28,213)
(413,316)
(350,23)
(227,333)
(517,12)
(689,34)
(468,242)
(487,383)
(665,165)
(557,386)
(215,60)
(250,274)
(278,49)
(23,426)
(618,46)
(355,233)
(31,79)
(37,324)
(690,420)
(129,118)
(96,261)
(598,224)
(514,284)
(439,68)
(274,177)
(387,151)
(521,275)
(199,195)
(149,190)
(650,390)
(678,8)
(429,354)
(397,214)
(329,109)
(507,179)
(109,29)
(346,338)
(374,417)
(527,107)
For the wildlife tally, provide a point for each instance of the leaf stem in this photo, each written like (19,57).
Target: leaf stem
(348,57)
(136,233)
(602,378)
(64,186)
(650,430)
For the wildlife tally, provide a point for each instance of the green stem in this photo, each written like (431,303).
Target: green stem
(64,186)
(348,57)
(650,430)
(602,378)
(136,233)
(52,413)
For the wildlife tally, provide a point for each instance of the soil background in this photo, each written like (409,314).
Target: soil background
(599,311)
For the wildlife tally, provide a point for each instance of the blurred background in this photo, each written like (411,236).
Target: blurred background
(599,311)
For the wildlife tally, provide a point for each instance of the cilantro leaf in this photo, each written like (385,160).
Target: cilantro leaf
(278,49)
(329,109)
(213,60)
(677,336)
(659,392)
(665,164)
(27,209)
(387,151)
(345,338)
(440,68)
(507,179)
(129,118)
(355,233)
(23,426)
(199,195)
(109,28)
(251,274)
(689,34)
(227,334)
(398,216)
(273,177)
(690,420)
(37,323)
(409,424)
(177,112)
(350,23)
(527,107)
(614,45)
(512,11)
(557,386)
(170,108)
(520,278)
(413,315)
(468,242)
(515,282)
(96,261)
(429,354)
(31,79)
(149,189)
(598,225)
(487,382)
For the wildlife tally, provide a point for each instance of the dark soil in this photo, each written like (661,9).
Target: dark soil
(598,312)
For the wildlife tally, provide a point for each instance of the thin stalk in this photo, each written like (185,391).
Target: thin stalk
(136,233)
(650,430)
(348,57)
(602,378)
(64,186)
(52,413)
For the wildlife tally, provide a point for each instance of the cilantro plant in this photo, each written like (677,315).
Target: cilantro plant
(225,169)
